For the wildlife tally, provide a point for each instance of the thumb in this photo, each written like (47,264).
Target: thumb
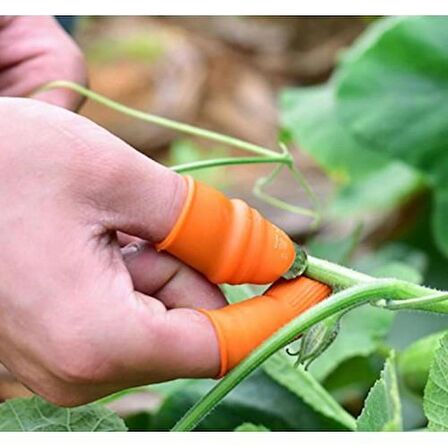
(226,240)
(133,193)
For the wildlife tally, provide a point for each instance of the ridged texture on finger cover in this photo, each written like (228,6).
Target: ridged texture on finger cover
(243,326)
(226,240)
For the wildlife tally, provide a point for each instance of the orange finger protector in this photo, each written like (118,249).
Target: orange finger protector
(226,240)
(243,326)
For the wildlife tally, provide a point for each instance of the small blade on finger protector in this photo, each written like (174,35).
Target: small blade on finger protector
(298,266)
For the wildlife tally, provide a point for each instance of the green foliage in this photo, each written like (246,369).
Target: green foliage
(259,400)
(382,409)
(250,427)
(304,385)
(237,293)
(414,362)
(142,47)
(362,333)
(370,180)
(378,126)
(435,401)
(336,250)
(392,89)
(186,151)
(35,414)
(391,94)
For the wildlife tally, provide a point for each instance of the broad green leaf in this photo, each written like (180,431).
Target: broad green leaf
(304,385)
(414,362)
(383,189)
(371,179)
(35,414)
(361,333)
(392,94)
(382,409)
(435,402)
(250,427)
(392,91)
(309,115)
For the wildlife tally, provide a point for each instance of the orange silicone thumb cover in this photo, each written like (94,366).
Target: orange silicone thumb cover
(226,240)
(242,326)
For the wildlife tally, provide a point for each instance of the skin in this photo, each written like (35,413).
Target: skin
(87,306)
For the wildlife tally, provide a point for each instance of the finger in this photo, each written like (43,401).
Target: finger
(152,345)
(35,50)
(159,345)
(169,280)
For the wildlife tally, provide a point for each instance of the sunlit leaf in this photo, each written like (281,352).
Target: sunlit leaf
(35,414)
(382,409)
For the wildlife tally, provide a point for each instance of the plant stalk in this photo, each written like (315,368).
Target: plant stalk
(343,300)
(157,120)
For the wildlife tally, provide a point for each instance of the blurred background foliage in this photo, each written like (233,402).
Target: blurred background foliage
(361,102)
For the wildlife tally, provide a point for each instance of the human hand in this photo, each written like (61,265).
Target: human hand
(35,50)
(77,319)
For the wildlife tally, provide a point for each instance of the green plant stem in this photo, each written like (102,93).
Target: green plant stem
(212,163)
(423,298)
(161,121)
(343,300)
(411,303)
(333,274)
(361,289)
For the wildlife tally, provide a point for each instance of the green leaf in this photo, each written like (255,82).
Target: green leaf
(304,385)
(370,178)
(250,427)
(35,414)
(383,189)
(435,401)
(440,218)
(414,362)
(391,254)
(400,271)
(309,115)
(353,378)
(382,409)
(392,91)
(362,332)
